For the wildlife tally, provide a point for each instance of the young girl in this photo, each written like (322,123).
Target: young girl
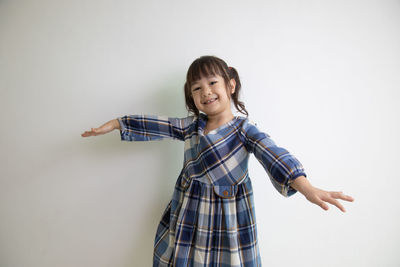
(210,220)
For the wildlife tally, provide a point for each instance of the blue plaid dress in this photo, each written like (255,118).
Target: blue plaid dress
(210,220)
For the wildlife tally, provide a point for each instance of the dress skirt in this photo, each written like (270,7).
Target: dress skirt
(200,228)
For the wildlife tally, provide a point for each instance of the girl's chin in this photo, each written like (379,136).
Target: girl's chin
(211,105)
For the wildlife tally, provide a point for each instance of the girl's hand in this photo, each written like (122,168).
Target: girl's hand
(103,129)
(318,196)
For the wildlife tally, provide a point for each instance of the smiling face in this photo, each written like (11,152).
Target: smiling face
(210,95)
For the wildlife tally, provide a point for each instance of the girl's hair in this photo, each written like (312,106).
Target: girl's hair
(211,65)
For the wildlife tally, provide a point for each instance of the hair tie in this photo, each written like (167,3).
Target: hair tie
(230,68)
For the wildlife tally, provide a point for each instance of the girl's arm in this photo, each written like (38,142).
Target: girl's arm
(153,127)
(281,166)
(285,171)
(145,127)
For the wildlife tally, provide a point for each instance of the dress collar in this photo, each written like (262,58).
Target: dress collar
(202,122)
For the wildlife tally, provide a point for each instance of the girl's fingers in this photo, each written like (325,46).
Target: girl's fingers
(318,201)
(342,196)
(333,202)
(337,204)
(347,198)
(319,197)
(93,131)
(331,199)
(86,133)
(323,205)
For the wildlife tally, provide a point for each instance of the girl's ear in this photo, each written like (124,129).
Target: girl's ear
(233,85)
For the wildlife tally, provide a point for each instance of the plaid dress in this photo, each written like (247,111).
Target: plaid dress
(210,220)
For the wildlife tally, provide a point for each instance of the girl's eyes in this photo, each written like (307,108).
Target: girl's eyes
(199,87)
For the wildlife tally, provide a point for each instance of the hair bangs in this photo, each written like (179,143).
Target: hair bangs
(203,69)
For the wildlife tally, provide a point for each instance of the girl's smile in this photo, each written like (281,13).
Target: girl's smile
(210,101)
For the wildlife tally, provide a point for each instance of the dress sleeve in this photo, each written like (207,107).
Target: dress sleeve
(281,166)
(153,127)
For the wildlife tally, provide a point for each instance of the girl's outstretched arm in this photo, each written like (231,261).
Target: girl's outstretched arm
(281,166)
(319,196)
(103,129)
(145,127)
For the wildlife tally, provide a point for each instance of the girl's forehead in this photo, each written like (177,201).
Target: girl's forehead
(209,76)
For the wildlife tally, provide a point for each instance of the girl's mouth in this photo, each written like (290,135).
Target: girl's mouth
(210,101)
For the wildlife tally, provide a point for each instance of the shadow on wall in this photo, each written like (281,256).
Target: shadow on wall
(170,101)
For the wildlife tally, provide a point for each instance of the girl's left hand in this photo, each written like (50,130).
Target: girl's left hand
(318,196)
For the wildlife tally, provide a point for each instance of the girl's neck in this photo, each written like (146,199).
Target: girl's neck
(216,120)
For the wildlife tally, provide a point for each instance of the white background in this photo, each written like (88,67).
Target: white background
(321,77)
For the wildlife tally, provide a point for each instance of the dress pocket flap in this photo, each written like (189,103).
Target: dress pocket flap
(225,191)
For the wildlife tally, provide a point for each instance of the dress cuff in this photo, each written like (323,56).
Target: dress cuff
(288,190)
(122,130)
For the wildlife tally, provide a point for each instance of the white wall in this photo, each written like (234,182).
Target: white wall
(321,77)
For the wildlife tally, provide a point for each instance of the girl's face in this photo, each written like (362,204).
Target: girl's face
(210,95)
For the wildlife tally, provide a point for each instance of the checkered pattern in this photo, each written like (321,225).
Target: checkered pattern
(210,220)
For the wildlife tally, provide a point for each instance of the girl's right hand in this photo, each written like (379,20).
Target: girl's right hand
(103,129)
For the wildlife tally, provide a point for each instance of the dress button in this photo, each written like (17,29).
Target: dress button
(225,193)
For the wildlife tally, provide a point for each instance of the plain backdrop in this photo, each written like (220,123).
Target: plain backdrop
(320,77)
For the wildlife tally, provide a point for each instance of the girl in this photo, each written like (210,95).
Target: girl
(210,220)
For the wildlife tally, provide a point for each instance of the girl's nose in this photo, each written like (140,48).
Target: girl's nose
(206,91)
